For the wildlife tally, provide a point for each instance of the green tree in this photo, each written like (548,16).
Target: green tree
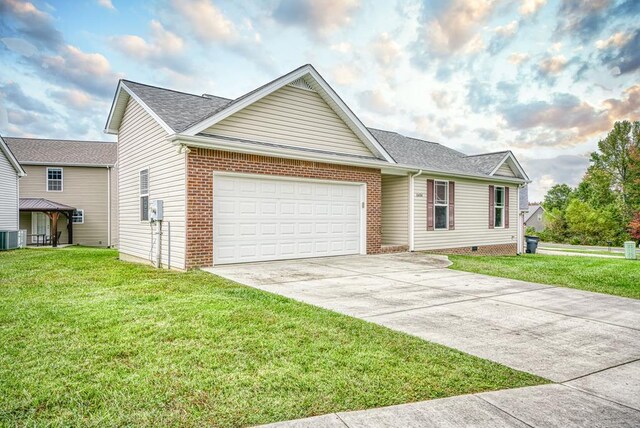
(558,197)
(596,187)
(591,226)
(614,156)
(634,177)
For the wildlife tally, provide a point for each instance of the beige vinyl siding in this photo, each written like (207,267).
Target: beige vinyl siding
(82,188)
(395,210)
(292,116)
(472,217)
(505,170)
(142,144)
(8,195)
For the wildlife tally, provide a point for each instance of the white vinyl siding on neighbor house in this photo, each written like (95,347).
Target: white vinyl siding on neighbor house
(395,210)
(8,195)
(505,170)
(86,188)
(294,117)
(142,144)
(471,217)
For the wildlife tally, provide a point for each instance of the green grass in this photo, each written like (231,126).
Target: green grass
(572,250)
(90,340)
(619,277)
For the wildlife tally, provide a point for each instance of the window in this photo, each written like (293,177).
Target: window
(144,195)
(499,207)
(441,207)
(54,179)
(78,216)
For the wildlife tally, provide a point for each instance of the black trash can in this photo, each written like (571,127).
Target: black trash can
(532,244)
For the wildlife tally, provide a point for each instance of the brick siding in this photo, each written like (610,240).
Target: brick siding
(202,163)
(483,250)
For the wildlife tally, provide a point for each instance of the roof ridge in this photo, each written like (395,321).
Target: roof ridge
(489,153)
(60,139)
(176,91)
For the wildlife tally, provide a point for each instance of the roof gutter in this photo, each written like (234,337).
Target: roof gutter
(213,143)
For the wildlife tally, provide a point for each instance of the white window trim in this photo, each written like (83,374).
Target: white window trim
(141,195)
(61,179)
(496,206)
(72,217)
(436,204)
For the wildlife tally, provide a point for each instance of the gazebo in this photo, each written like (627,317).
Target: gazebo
(52,210)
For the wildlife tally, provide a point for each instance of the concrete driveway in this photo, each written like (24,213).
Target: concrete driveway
(586,341)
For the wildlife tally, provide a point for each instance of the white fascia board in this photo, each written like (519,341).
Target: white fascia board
(510,156)
(306,70)
(210,142)
(84,165)
(122,86)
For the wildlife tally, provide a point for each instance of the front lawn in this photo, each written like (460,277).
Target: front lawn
(619,277)
(90,340)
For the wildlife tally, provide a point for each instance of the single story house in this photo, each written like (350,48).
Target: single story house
(288,171)
(69,195)
(535,217)
(10,173)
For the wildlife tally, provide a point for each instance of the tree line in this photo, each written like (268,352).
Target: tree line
(605,206)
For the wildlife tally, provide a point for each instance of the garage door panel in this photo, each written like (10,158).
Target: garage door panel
(270,218)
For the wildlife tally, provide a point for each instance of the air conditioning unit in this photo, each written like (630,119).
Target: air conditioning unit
(8,240)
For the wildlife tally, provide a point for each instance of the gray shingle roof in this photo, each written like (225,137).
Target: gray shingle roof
(63,152)
(524,198)
(41,204)
(434,156)
(486,162)
(180,111)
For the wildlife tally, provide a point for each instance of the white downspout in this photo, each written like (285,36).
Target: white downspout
(520,234)
(109,207)
(412,210)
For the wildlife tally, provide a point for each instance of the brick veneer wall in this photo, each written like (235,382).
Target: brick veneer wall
(202,163)
(483,250)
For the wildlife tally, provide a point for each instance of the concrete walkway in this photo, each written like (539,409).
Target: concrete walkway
(587,342)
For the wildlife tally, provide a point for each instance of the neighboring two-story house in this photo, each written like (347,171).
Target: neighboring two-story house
(73,181)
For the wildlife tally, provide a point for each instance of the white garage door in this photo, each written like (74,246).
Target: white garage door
(257,219)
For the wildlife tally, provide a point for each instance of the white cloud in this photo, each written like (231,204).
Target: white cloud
(552,65)
(618,40)
(162,49)
(375,101)
(518,58)
(457,27)
(72,67)
(530,7)
(320,17)
(346,74)
(74,98)
(386,51)
(343,47)
(106,4)
(207,21)
(507,30)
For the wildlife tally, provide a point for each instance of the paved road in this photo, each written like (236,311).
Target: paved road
(588,343)
(581,247)
(558,252)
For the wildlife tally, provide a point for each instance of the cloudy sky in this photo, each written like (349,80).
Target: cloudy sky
(544,78)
